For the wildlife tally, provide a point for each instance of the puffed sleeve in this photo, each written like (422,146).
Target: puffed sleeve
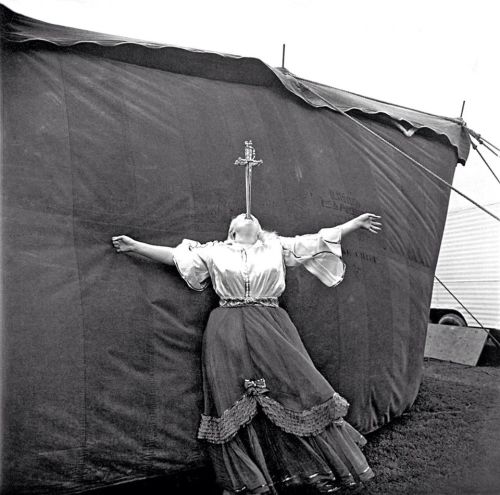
(192,259)
(320,254)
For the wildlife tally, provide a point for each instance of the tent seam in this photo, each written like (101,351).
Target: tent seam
(84,347)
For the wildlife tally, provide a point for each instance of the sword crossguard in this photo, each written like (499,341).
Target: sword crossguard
(249,159)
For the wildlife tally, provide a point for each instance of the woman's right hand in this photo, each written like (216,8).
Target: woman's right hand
(123,243)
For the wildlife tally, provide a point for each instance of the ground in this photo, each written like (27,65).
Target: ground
(449,441)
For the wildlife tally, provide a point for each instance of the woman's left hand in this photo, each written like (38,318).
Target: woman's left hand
(370,222)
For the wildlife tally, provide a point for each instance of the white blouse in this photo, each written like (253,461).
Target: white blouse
(258,271)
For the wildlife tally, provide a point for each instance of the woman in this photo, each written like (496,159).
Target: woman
(270,419)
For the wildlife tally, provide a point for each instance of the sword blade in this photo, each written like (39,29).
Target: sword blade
(248,186)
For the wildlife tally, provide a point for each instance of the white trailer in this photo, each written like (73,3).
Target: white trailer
(469,265)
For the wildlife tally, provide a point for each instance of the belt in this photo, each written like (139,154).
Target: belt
(236,302)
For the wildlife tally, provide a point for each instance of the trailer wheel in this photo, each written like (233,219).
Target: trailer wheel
(452,319)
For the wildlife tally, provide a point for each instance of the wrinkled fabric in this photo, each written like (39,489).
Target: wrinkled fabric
(264,456)
(257,371)
(253,343)
(320,254)
(258,271)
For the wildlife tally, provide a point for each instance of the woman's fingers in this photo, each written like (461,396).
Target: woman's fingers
(374,225)
(117,242)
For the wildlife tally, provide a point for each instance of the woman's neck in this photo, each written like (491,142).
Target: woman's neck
(245,240)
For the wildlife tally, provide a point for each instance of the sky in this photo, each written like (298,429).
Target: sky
(427,55)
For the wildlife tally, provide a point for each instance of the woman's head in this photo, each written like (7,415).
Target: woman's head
(245,228)
(248,230)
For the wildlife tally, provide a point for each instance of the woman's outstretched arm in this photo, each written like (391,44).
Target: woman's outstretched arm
(124,244)
(367,221)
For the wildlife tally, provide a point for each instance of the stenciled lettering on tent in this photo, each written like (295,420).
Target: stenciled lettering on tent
(102,136)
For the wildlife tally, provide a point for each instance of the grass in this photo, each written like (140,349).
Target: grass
(448,443)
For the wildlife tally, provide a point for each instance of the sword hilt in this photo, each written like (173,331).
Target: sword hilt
(248,162)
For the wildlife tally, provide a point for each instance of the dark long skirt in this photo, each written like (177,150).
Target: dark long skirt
(270,418)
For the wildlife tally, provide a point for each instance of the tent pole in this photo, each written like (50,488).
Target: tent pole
(283,57)
(462,112)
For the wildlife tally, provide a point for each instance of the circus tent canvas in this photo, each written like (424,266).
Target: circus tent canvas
(102,135)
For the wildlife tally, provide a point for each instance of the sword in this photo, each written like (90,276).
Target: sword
(248,162)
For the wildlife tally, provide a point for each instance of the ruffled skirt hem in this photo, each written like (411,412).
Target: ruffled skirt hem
(302,423)
(263,458)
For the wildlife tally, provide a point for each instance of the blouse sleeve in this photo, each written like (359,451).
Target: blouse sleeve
(191,259)
(320,254)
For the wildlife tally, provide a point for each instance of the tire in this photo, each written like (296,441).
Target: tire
(452,319)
